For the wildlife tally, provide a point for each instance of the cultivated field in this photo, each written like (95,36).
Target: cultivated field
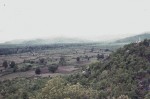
(26,63)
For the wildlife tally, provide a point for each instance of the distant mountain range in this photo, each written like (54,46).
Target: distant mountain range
(74,40)
(134,38)
(47,41)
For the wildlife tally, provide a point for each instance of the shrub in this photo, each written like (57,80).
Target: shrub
(15,68)
(100,56)
(5,64)
(42,60)
(37,71)
(12,64)
(53,68)
(26,68)
(59,88)
(78,59)
(62,61)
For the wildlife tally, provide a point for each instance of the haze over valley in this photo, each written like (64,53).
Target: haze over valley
(74,49)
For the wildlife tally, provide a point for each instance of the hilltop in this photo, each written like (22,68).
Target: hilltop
(134,38)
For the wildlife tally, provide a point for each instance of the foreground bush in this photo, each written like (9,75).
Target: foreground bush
(21,88)
(58,88)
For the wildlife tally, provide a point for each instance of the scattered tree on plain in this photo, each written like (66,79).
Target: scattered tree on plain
(78,59)
(62,61)
(53,68)
(5,64)
(12,64)
(38,71)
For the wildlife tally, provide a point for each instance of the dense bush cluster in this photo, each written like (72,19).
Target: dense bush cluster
(59,88)
(21,88)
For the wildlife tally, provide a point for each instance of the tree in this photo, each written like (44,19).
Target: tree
(62,61)
(53,68)
(42,60)
(5,64)
(12,64)
(146,43)
(24,95)
(37,71)
(100,56)
(87,57)
(78,59)
(15,68)
(92,49)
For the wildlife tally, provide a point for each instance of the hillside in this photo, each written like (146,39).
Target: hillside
(126,72)
(134,38)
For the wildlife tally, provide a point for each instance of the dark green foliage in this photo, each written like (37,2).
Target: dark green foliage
(53,68)
(15,68)
(5,64)
(78,59)
(24,95)
(87,57)
(37,71)
(146,43)
(100,56)
(26,68)
(42,60)
(92,49)
(21,88)
(12,64)
(62,61)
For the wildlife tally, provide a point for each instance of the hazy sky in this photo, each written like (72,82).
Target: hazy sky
(88,19)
